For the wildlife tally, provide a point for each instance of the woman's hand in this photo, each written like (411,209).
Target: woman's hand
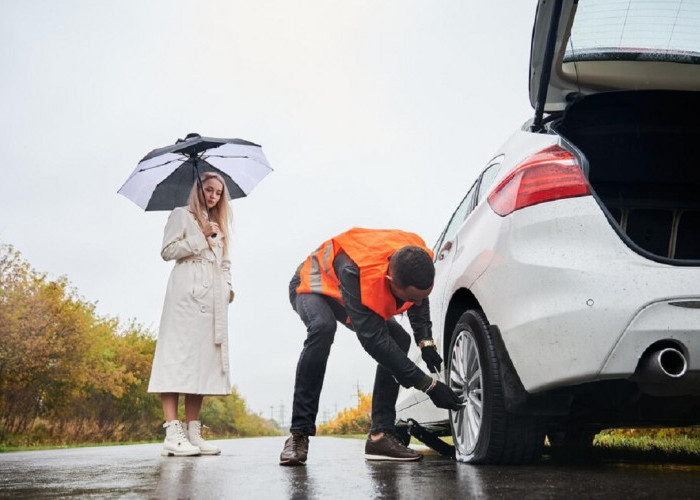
(210,228)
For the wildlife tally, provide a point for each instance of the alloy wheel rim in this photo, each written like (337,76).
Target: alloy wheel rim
(466,380)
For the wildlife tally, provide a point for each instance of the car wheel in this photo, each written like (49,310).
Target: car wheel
(484,432)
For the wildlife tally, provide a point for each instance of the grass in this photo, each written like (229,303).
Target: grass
(7,449)
(346,436)
(679,447)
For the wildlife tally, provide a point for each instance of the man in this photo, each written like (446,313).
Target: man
(362,278)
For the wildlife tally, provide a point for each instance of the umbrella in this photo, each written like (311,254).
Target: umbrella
(163,178)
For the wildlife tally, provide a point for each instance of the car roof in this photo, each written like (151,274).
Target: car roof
(582,47)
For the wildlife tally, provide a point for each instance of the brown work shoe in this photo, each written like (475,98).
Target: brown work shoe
(296,447)
(389,447)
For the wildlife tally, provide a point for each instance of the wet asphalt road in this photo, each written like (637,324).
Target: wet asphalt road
(248,468)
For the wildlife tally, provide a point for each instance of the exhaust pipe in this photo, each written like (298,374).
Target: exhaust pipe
(663,373)
(662,365)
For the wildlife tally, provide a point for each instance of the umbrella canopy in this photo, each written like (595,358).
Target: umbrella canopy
(163,179)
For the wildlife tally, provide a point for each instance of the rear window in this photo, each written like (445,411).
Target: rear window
(647,30)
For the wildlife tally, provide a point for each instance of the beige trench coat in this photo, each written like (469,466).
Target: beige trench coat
(192,348)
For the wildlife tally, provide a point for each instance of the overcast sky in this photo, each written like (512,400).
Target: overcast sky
(374,113)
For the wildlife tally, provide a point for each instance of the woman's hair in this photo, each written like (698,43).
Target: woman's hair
(219,213)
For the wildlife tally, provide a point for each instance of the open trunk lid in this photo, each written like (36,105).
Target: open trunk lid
(582,47)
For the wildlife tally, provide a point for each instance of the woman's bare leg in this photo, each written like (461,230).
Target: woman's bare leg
(193,405)
(169,401)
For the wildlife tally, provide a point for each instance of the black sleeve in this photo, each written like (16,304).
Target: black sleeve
(371,328)
(419,317)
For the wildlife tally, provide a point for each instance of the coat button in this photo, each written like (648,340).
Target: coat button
(205,284)
(203,309)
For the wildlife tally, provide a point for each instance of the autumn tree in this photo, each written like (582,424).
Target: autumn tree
(351,420)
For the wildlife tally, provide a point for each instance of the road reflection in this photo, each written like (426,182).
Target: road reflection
(299,484)
(432,477)
(176,477)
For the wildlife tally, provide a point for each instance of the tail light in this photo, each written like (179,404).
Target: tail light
(550,174)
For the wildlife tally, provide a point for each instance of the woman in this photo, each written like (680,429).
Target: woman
(191,355)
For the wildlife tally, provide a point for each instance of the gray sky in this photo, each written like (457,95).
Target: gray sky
(372,113)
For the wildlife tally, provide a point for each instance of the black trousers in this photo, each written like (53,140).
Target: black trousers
(321,316)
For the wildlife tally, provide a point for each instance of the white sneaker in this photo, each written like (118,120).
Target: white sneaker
(194,434)
(176,442)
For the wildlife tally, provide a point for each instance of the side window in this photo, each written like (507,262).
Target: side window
(486,180)
(460,214)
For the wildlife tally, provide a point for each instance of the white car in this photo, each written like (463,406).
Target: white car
(567,290)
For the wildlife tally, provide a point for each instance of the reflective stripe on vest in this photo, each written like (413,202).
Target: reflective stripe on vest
(317,273)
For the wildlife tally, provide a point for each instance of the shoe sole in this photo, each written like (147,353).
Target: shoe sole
(292,462)
(166,453)
(395,459)
(217,452)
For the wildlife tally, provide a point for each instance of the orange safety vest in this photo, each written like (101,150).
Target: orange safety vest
(370,249)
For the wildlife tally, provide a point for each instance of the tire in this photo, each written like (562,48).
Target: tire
(484,432)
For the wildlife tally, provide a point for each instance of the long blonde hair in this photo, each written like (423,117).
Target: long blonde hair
(219,213)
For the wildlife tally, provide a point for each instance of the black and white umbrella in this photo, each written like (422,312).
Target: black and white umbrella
(163,178)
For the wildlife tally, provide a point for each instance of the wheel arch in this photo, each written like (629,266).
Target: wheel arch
(461,300)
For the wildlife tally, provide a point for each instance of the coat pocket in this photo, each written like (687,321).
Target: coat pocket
(202,282)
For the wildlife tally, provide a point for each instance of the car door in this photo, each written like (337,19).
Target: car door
(467,252)
(444,256)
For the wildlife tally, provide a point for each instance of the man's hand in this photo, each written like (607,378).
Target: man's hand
(444,397)
(431,358)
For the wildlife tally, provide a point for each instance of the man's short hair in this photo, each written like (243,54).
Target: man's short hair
(412,266)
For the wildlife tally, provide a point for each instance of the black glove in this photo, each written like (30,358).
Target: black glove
(444,397)
(431,358)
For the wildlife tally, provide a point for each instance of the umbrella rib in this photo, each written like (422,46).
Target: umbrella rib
(221,156)
(256,160)
(160,165)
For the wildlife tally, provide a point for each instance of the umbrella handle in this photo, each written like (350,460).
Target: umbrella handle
(201,188)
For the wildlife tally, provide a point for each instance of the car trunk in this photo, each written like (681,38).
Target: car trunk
(643,155)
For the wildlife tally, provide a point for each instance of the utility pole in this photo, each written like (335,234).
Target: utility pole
(357,394)
(282,420)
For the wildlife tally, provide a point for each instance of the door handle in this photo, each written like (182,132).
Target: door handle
(444,250)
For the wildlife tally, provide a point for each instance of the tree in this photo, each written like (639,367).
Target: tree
(351,420)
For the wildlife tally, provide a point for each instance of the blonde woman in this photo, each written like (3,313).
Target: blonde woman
(191,355)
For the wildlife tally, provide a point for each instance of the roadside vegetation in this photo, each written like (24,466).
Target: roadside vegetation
(350,421)
(69,376)
(679,443)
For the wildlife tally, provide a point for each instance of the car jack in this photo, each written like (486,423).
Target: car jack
(428,438)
